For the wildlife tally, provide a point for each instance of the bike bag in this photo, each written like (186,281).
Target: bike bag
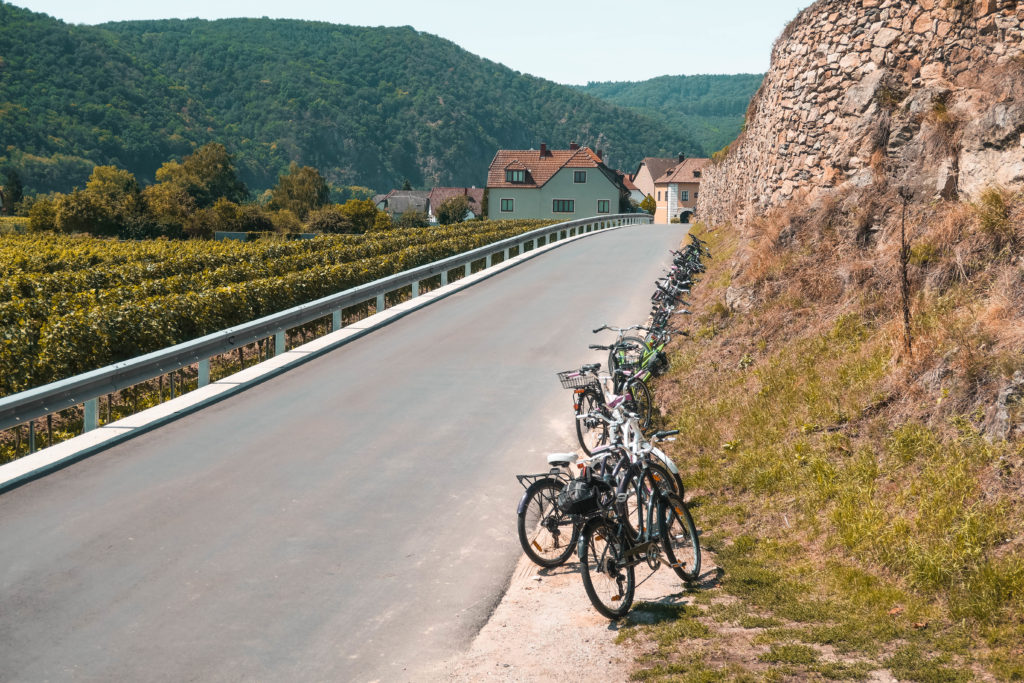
(578,498)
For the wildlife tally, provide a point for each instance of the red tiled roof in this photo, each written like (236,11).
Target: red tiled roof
(539,169)
(682,172)
(627,180)
(658,165)
(475,195)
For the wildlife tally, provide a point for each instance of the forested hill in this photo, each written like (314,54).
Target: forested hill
(710,108)
(367,106)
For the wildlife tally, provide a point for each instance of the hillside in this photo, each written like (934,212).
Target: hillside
(711,108)
(852,384)
(366,106)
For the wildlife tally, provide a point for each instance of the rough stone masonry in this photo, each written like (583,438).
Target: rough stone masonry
(930,90)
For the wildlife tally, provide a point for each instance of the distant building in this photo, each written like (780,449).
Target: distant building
(398,202)
(650,169)
(439,195)
(552,183)
(635,193)
(677,189)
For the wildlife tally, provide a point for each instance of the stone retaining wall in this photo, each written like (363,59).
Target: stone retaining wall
(856,86)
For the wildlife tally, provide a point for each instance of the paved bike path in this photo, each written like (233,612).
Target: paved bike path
(352,519)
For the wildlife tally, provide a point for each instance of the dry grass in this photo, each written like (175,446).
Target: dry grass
(841,478)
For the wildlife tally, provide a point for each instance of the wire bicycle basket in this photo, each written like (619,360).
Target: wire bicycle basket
(574,379)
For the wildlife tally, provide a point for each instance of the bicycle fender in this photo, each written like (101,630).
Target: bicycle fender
(665,459)
(521,508)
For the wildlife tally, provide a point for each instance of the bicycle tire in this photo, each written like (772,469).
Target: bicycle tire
(627,504)
(628,358)
(540,525)
(641,402)
(609,581)
(679,537)
(591,432)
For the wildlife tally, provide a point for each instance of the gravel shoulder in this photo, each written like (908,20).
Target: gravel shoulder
(545,629)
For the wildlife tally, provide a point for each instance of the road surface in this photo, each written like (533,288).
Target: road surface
(352,519)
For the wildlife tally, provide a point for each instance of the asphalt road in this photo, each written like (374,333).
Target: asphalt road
(352,519)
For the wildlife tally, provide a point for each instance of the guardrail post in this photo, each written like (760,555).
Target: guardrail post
(336,320)
(204,372)
(31,436)
(490,260)
(466,269)
(380,303)
(444,277)
(279,343)
(504,255)
(92,415)
(415,289)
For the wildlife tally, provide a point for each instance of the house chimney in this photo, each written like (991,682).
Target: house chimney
(543,150)
(600,154)
(573,146)
(682,158)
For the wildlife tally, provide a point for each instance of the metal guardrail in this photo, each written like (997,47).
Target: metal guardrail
(85,389)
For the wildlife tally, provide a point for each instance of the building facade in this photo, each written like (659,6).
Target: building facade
(552,183)
(676,191)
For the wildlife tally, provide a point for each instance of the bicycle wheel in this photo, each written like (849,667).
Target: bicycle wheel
(607,578)
(639,402)
(626,354)
(679,537)
(636,493)
(591,431)
(548,536)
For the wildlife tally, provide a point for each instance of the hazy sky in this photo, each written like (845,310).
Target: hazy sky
(565,41)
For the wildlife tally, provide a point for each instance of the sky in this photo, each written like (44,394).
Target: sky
(566,41)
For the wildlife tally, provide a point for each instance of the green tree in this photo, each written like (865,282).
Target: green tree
(81,212)
(383,221)
(300,190)
(453,210)
(11,190)
(329,219)
(43,214)
(648,204)
(206,175)
(362,213)
(413,219)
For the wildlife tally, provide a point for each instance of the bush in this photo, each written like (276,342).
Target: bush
(330,220)
(453,210)
(413,219)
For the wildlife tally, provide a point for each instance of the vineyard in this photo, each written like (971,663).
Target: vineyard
(70,304)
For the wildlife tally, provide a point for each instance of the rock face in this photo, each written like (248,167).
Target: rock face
(927,93)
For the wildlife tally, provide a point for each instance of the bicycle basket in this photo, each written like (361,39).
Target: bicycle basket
(574,379)
(578,498)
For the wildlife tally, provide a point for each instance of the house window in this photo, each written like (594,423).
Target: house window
(579,177)
(695,193)
(696,174)
(659,195)
(507,205)
(684,196)
(563,206)
(515,176)
(602,206)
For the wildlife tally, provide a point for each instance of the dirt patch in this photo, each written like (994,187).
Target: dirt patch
(545,628)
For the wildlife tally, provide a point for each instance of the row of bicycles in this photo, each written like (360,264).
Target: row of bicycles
(620,505)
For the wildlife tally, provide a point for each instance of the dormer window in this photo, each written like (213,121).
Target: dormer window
(515,176)
(696,174)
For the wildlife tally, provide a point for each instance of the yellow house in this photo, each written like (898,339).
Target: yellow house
(650,169)
(676,191)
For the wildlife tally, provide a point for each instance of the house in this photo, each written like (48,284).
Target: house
(677,189)
(398,202)
(649,170)
(635,193)
(439,195)
(552,183)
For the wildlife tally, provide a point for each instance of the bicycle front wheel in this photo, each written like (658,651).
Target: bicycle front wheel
(609,581)
(626,354)
(639,402)
(679,537)
(591,431)
(548,535)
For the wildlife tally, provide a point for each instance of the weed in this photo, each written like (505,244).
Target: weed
(911,664)
(790,654)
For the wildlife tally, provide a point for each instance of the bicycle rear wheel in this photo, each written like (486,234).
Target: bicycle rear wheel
(679,537)
(608,580)
(548,535)
(640,401)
